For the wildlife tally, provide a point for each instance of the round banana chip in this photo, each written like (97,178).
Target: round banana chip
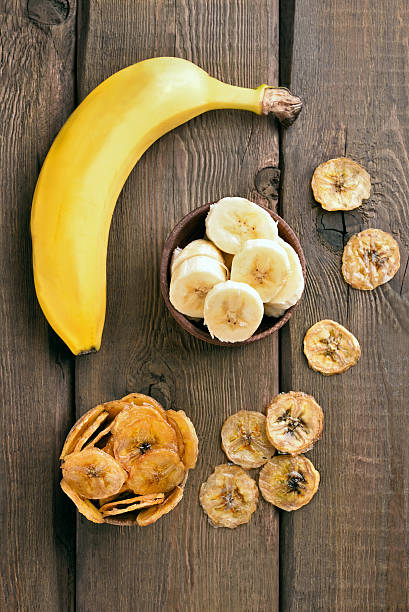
(340,184)
(244,439)
(151,515)
(188,432)
(294,422)
(93,474)
(157,471)
(370,258)
(288,482)
(142,400)
(139,429)
(229,496)
(78,429)
(330,348)
(84,506)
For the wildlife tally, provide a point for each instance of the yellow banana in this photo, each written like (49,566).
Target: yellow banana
(88,165)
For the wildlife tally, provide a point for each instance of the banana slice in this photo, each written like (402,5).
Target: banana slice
(244,439)
(288,482)
(294,422)
(151,515)
(139,429)
(340,184)
(129,505)
(292,289)
(330,348)
(189,437)
(79,428)
(229,496)
(191,283)
(264,265)
(196,248)
(84,506)
(142,400)
(233,311)
(157,471)
(232,221)
(370,258)
(93,474)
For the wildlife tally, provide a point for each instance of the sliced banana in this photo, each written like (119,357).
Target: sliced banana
(191,283)
(262,264)
(292,289)
(288,482)
(330,348)
(196,248)
(84,506)
(232,221)
(294,422)
(370,258)
(244,439)
(93,474)
(233,311)
(340,184)
(229,496)
(187,430)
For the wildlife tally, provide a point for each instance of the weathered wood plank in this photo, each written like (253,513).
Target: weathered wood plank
(37,525)
(348,549)
(181,563)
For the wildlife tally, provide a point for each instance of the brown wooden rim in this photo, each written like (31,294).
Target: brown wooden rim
(176,238)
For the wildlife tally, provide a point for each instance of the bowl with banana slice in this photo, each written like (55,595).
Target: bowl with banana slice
(232,272)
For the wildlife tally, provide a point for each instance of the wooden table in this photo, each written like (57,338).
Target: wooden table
(345,551)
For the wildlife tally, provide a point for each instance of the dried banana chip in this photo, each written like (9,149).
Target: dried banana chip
(294,422)
(330,348)
(151,515)
(190,441)
(109,447)
(129,505)
(138,430)
(288,482)
(93,474)
(78,429)
(140,400)
(340,184)
(370,258)
(84,506)
(229,496)
(101,435)
(89,431)
(244,439)
(157,471)
(179,437)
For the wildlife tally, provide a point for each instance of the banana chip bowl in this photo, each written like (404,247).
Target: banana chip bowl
(192,227)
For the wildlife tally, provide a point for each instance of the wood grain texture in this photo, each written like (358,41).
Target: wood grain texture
(348,549)
(180,563)
(37,526)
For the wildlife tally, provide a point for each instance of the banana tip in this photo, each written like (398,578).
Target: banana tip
(282,104)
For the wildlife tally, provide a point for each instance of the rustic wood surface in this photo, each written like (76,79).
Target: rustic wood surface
(348,549)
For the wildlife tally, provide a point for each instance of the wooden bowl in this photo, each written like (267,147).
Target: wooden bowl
(191,227)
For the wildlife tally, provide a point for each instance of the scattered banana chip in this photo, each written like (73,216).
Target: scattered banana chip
(189,437)
(232,221)
(139,429)
(151,515)
(370,258)
(244,439)
(340,184)
(129,505)
(288,482)
(294,422)
(93,474)
(157,471)
(330,348)
(77,430)
(84,506)
(229,496)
